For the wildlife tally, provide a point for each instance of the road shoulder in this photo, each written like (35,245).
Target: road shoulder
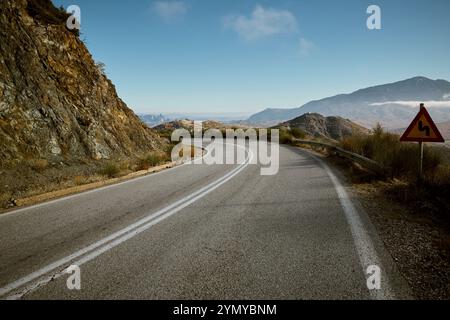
(416,241)
(397,281)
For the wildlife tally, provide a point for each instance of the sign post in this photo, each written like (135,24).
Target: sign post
(422,129)
(421,160)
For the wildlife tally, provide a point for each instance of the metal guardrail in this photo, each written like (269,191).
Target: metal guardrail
(366,162)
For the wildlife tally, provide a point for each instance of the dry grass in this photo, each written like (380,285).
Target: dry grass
(79,180)
(38,165)
(5,198)
(125,165)
(110,170)
(46,12)
(401,159)
(431,193)
(152,159)
(33,177)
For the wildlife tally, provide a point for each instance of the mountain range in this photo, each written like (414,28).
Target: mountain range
(392,105)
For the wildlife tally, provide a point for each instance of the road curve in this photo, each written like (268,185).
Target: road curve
(234,235)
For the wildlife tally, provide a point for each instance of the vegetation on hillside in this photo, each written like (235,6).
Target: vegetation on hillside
(401,159)
(45,12)
(430,193)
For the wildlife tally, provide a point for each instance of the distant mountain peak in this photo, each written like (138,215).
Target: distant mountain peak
(370,105)
(420,78)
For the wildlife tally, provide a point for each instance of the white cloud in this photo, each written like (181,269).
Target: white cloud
(263,22)
(306,47)
(416,104)
(170,10)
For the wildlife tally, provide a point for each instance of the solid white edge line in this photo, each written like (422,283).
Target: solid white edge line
(366,251)
(116,238)
(114,185)
(83,193)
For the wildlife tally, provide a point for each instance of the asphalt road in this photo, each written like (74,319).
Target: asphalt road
(201,232)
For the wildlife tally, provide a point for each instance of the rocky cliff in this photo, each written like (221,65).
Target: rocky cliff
(55,102)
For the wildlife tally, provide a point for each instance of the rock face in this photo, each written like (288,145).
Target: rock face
(334,128)
(189,125)
(55,102)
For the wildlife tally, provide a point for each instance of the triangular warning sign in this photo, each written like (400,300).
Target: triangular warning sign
(422,129)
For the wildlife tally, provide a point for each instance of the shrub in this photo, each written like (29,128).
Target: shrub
(110,170)
(79,180)
(39,165)
(441,177)
(151,159)
(402,159)
(101,67)
(298,133)
(46,12)
(124,165)
(285,137)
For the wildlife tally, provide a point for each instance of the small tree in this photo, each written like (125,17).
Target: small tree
(101,67)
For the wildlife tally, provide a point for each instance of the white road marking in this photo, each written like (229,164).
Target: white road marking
(46,203)
(363,243)
(96,249)
(114,185)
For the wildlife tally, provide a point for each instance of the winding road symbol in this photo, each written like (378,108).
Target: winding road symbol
(423,128)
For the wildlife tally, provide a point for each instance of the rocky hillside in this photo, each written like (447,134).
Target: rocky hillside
(55,102)
(189,125)
(334,128)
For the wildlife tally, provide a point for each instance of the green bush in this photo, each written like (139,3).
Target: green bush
(298,133)
(110,170)
(286,137)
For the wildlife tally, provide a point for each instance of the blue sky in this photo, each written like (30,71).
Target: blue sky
(241,56)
